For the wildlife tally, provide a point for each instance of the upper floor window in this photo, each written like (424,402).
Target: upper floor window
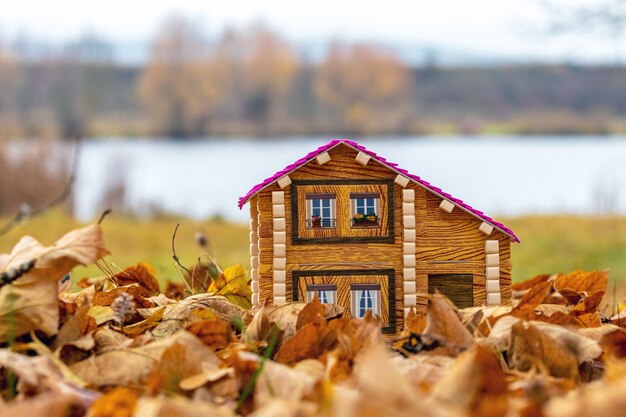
(365,208)
(320,211)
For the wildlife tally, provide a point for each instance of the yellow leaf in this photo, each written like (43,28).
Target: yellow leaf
(233,284)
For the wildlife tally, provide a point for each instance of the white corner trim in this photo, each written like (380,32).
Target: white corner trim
(322,158)
(486,228)
(401,180)
(284,181)
(446,206)
(362,158)
(278,197)
(492,246)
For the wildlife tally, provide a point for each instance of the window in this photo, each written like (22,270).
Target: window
(326,293)
(320,211)
(365,209)
(365,297)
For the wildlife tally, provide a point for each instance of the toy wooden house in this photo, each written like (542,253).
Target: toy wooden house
(358,231)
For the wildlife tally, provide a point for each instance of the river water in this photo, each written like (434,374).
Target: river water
(502,176)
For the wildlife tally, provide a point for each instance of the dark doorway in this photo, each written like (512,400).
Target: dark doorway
(459,288)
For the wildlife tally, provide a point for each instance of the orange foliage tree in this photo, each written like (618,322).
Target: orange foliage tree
(181,87)
(365,87)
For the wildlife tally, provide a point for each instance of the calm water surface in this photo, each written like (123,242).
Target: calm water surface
(501,176)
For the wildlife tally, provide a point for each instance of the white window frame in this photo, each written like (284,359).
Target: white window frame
(330,290)
(356,291)
(376,204)
(333,211)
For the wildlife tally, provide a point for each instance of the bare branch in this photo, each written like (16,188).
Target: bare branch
(26,213)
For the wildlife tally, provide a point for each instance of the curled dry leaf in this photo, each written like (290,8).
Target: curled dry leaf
(133,365)
(443,323)
(313,313)
(529,283)
(533,349)
(31,302)
(143,275)
(581,282)
(216,334)
(475,383)
(535,296)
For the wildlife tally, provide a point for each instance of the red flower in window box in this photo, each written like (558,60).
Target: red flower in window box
(316,222)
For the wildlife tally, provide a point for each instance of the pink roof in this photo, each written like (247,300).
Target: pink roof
(394,167)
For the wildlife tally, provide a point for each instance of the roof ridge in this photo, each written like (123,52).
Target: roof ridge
(391,165)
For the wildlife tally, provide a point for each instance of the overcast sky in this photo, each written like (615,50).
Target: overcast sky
(504,28)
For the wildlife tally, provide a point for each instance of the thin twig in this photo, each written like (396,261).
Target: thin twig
(25,213)
(103,215)
(174,256)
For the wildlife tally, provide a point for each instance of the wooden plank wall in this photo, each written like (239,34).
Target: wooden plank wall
(446,243)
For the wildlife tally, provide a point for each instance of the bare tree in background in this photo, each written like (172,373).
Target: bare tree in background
(606,18)
(363,86)
(181,87)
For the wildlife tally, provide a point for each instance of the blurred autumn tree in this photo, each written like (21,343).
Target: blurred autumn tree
(8,78)
(269,66)
(363,89)
(180,87)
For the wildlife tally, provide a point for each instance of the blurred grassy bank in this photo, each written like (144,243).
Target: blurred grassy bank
(549,243)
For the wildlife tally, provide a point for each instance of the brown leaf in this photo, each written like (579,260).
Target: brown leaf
(312,313)
(176,364)
(589,304)
(415,322)
(531,348)
(141,274)
(147,324)
(216,334)
(614,344)
(535,296)
(120,402)
(31,302)
(444,324)
(590,319)
(529,283)
(132,365)
(303,345)
(582,282)
(106,298)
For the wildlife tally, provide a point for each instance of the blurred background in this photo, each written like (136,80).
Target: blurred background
(168,112)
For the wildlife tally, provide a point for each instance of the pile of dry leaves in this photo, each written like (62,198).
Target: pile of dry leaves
(120,347)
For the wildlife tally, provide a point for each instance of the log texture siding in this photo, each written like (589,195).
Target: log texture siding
(445,243)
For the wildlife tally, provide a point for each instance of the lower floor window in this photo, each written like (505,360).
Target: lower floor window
(327,294)
(365,297)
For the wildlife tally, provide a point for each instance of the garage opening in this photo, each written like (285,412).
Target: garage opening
(459,288)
